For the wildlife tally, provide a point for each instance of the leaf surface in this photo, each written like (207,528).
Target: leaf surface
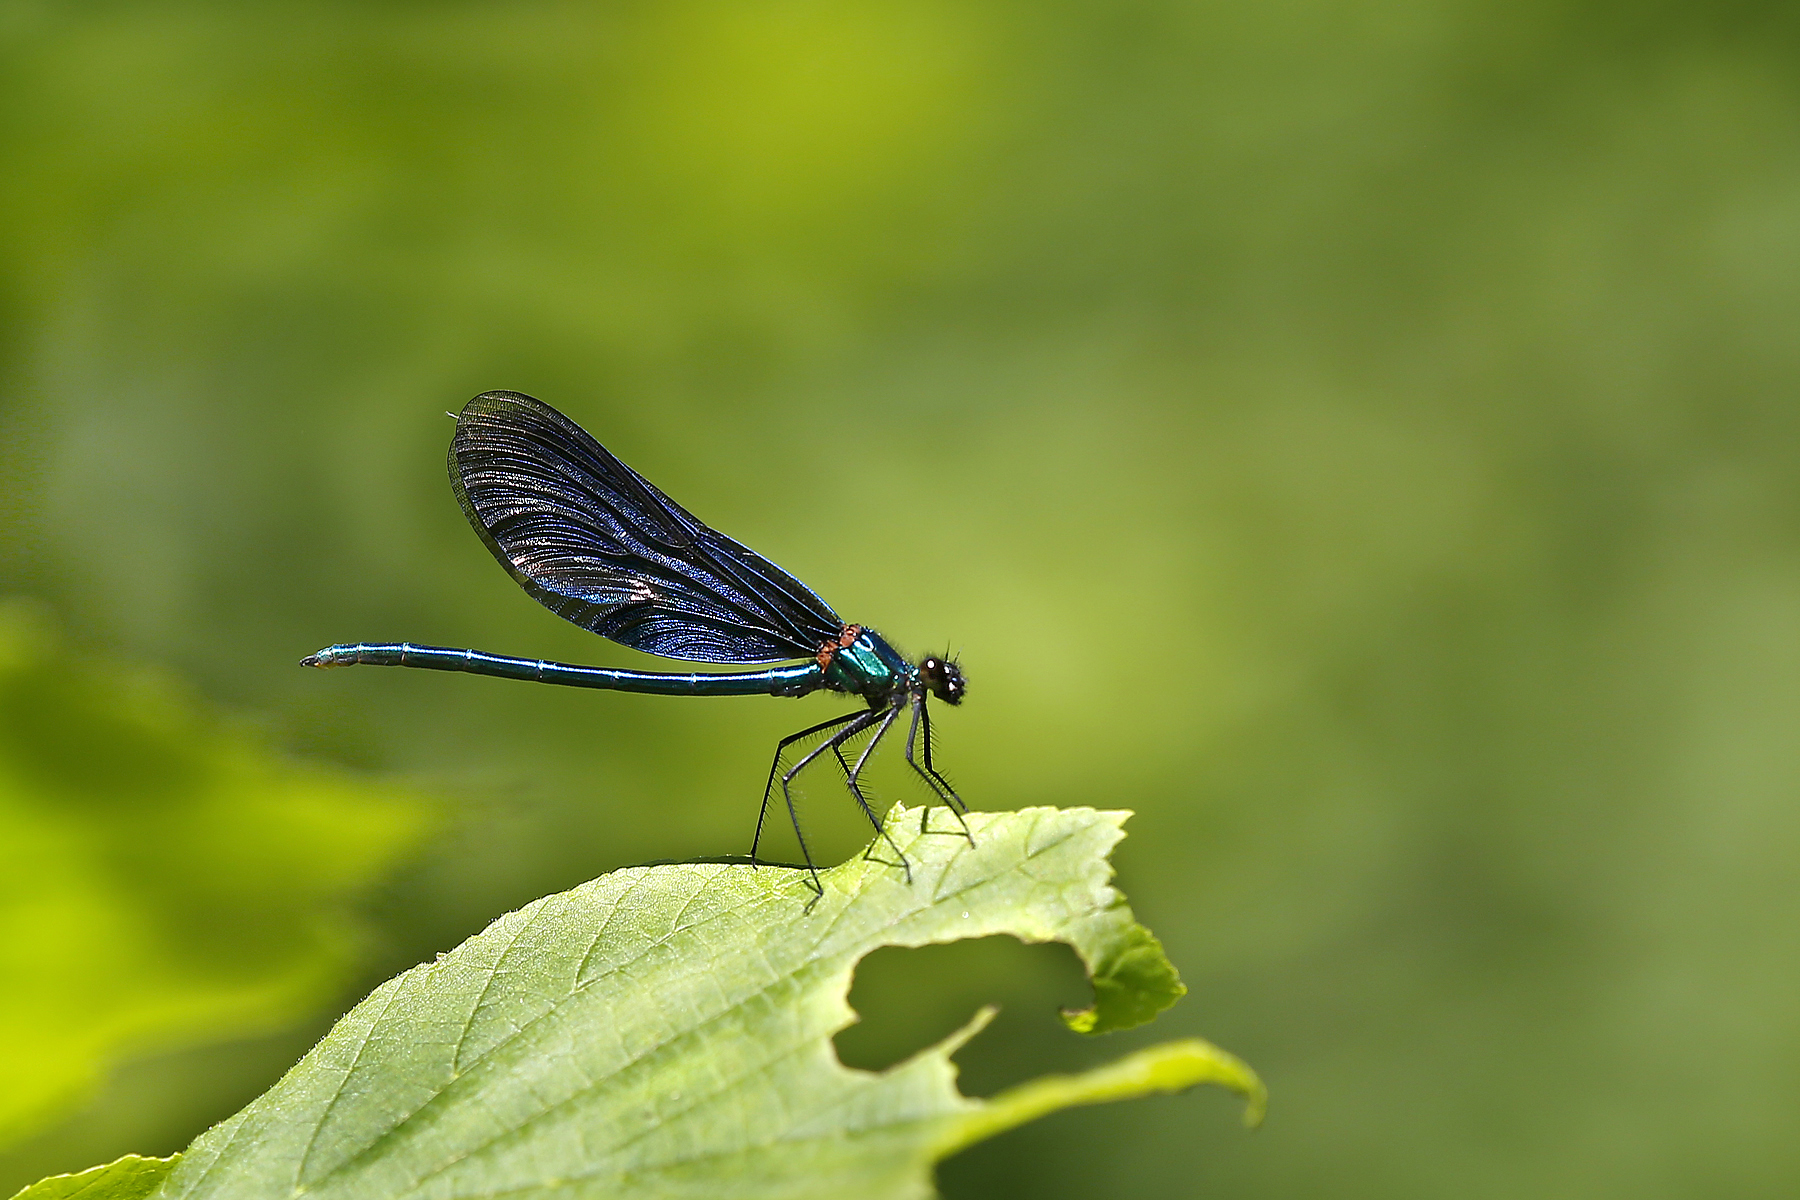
(666,1031)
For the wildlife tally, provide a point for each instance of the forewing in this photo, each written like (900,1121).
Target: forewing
(598,545)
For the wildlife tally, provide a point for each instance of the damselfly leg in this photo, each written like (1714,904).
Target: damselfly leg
(774,767)
(856,723)
(852,778)
(921,719)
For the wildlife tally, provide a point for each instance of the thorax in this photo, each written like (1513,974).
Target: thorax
(868,667)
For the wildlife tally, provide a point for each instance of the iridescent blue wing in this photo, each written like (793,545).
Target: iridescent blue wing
(598,545)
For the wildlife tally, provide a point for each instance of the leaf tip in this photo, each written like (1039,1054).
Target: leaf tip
(127,1178)
(1133,981)
(1193,1061)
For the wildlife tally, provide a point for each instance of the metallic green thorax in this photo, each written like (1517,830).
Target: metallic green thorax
(870,668)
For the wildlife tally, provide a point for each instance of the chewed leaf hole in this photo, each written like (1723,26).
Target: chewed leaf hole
(911,998)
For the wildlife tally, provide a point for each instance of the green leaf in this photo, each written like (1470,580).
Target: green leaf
(128,1178)
(666,1031)
(165,878)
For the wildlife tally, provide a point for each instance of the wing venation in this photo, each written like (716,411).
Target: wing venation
(599,545)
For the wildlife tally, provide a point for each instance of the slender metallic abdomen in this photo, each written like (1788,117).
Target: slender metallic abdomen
(776,681)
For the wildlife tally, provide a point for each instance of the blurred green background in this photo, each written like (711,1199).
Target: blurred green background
(1361,438)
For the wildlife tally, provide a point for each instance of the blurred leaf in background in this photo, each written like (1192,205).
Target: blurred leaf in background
(1359,437)
(165,877)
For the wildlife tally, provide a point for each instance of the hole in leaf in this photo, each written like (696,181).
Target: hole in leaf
(911,998)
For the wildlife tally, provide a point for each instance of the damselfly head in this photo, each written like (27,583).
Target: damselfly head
(944,678)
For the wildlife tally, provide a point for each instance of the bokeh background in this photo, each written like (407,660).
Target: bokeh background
(1358,437)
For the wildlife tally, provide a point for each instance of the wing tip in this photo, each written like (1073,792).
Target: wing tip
(504,396)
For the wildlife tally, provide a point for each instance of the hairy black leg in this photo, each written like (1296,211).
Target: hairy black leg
(851,778)
(781,749)
(860,722)
(850,782)
(851,774)
(929,773)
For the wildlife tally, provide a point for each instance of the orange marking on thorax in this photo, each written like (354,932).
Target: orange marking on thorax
(845,639)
